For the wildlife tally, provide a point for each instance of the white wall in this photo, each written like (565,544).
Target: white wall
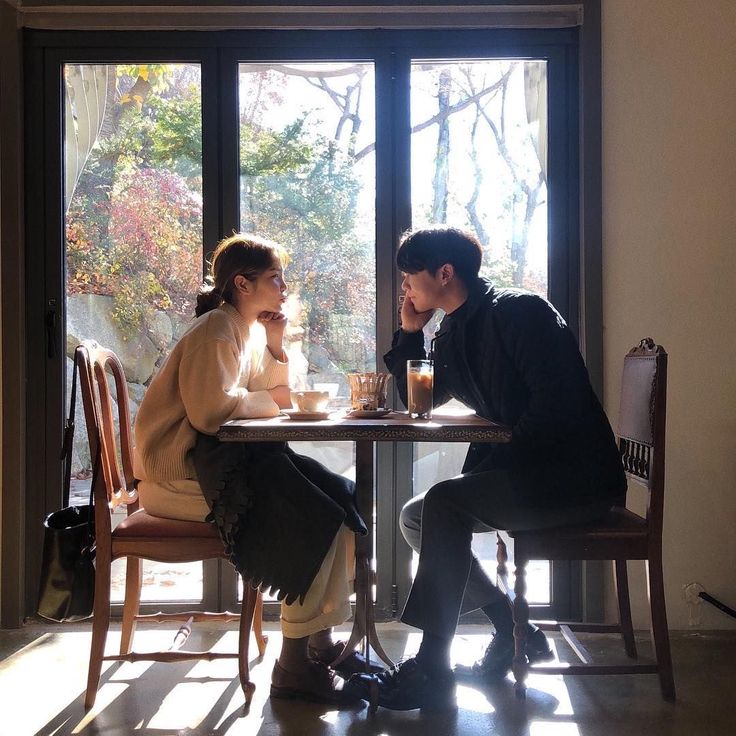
(669,265)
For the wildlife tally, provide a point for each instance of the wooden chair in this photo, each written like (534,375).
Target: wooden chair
(621,536)
(141,536)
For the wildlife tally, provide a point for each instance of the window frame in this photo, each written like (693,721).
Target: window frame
(47,49)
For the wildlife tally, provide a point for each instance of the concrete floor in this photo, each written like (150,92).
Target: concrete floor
(43,673)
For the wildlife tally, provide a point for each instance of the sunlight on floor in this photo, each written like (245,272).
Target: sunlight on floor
(469,647)
(554,685)
(330,717)
(105,696)
(178,711)
(547,728)
(469,698)
(129,671)
(205,698)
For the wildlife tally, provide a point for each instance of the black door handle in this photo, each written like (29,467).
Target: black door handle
(51,329)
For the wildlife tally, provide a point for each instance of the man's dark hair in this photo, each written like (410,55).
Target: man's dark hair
(432,247)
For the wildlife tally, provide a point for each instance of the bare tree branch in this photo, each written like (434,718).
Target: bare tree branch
(343,102)
(442,159)
(471,206)
(439,117)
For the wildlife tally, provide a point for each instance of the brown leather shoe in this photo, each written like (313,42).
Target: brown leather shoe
(354,662)
(318,684)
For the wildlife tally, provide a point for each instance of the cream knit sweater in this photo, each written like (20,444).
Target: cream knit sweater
(213,374)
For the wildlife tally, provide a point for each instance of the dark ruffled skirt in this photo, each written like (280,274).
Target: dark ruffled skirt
(277,512)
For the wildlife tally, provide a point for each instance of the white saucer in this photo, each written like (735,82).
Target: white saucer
(367,413)
(306,416)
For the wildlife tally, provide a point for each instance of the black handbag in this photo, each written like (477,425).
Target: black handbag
(67,588)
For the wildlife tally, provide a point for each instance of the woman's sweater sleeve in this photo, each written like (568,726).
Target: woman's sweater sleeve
(209,386)
(267,372)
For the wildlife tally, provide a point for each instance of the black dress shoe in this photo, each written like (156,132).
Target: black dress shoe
(353,663)
(406,686)
(498,657)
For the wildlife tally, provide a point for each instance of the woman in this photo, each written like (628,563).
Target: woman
(217,372)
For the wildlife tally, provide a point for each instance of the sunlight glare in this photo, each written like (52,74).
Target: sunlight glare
(108,693)
(412,644)
(547,728)
(130,671)
(469,698)
(179,708)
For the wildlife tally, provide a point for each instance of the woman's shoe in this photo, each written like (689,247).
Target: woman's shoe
(317,684)
(499,655)
(406,686)
(352,664)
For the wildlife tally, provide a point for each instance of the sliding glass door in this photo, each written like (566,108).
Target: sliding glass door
(331,144)
(479,162)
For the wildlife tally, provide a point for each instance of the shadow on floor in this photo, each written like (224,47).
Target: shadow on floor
(204,698)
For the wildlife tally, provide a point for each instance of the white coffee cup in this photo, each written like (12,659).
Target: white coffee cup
(310,401)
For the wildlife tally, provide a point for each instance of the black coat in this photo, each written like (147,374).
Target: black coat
(510,356)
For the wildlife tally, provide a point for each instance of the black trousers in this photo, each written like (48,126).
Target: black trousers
(440,523)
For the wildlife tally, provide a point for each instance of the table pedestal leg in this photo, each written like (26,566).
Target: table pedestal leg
(364,623)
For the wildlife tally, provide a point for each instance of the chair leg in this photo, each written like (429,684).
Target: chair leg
(100,625)
(133,579)
(261,638)
(621,578)
(660,632)
(520,666)
(250,598)
(502,557)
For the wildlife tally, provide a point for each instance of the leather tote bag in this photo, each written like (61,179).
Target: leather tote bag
(67,588)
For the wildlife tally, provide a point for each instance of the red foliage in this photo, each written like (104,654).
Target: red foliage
(155,227)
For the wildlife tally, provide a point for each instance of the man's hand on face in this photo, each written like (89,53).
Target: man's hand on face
(411,320)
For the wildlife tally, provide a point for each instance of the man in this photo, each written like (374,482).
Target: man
(508,355)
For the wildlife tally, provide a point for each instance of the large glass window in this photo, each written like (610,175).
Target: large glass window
(479,161)
(331,144)
(133,232)
(307,180)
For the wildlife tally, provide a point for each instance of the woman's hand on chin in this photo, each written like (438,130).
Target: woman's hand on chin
(274,323)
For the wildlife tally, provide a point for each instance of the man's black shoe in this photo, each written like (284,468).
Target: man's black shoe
(406,686)
(498,657)
(354,662)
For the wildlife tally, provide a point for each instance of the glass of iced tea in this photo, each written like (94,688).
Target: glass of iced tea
(419,380)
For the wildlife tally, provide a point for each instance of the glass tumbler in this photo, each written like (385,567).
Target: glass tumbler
(419,382)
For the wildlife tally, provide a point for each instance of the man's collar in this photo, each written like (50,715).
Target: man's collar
(477,290)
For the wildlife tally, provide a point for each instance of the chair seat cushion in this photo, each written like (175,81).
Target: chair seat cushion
(617,522)
(621,534)
(141,525)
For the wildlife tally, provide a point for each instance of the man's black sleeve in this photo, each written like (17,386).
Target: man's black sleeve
(544,352)
(405,346)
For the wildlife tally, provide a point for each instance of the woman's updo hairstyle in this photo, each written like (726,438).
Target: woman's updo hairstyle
(247,255)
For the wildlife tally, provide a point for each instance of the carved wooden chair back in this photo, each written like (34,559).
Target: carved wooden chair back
(641,426)
(98,367)
(621,536)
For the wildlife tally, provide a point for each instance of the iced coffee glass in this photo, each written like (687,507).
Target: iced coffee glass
(419,380)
